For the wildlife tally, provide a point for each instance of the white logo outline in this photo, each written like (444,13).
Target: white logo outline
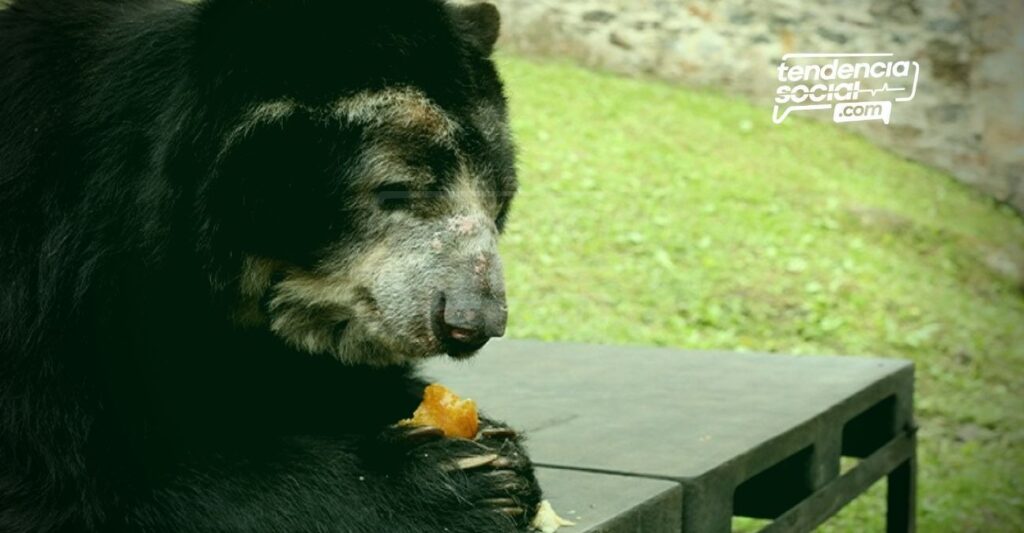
(840,107)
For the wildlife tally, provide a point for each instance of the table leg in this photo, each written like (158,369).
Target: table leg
(902,498)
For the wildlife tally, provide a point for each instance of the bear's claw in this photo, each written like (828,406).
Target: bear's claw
(469,463)
(497,433)
(421,434)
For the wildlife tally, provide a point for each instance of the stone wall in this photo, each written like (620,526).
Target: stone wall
(967,117)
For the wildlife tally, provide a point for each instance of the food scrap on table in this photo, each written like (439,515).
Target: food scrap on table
(547,521)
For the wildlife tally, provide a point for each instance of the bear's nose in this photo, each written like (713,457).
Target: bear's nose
(466,320)
(474,317)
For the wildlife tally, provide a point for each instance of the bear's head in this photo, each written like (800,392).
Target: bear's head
(364,174)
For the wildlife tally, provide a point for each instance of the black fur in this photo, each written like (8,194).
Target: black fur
(128,400)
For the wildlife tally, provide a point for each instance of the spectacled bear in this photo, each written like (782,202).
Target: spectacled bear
(229,231)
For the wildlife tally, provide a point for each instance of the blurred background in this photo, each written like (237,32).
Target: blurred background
(660,205)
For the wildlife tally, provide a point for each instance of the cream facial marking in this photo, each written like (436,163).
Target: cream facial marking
(272,111)
(463,224)
(381,164)
(482,264)
(255,280)
(466,196)
(404,108)
(489,119)
(261,114)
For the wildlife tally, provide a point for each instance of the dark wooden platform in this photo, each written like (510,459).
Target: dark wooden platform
(739,434)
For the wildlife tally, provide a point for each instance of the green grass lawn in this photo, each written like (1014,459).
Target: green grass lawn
(651,214)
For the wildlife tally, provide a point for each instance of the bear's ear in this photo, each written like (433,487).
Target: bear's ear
(480,23)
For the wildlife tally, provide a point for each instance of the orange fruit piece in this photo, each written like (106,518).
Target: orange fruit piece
(444,410)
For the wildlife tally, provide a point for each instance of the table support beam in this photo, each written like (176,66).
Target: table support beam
(894,460)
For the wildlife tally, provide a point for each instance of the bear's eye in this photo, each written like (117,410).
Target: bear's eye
(393,196)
